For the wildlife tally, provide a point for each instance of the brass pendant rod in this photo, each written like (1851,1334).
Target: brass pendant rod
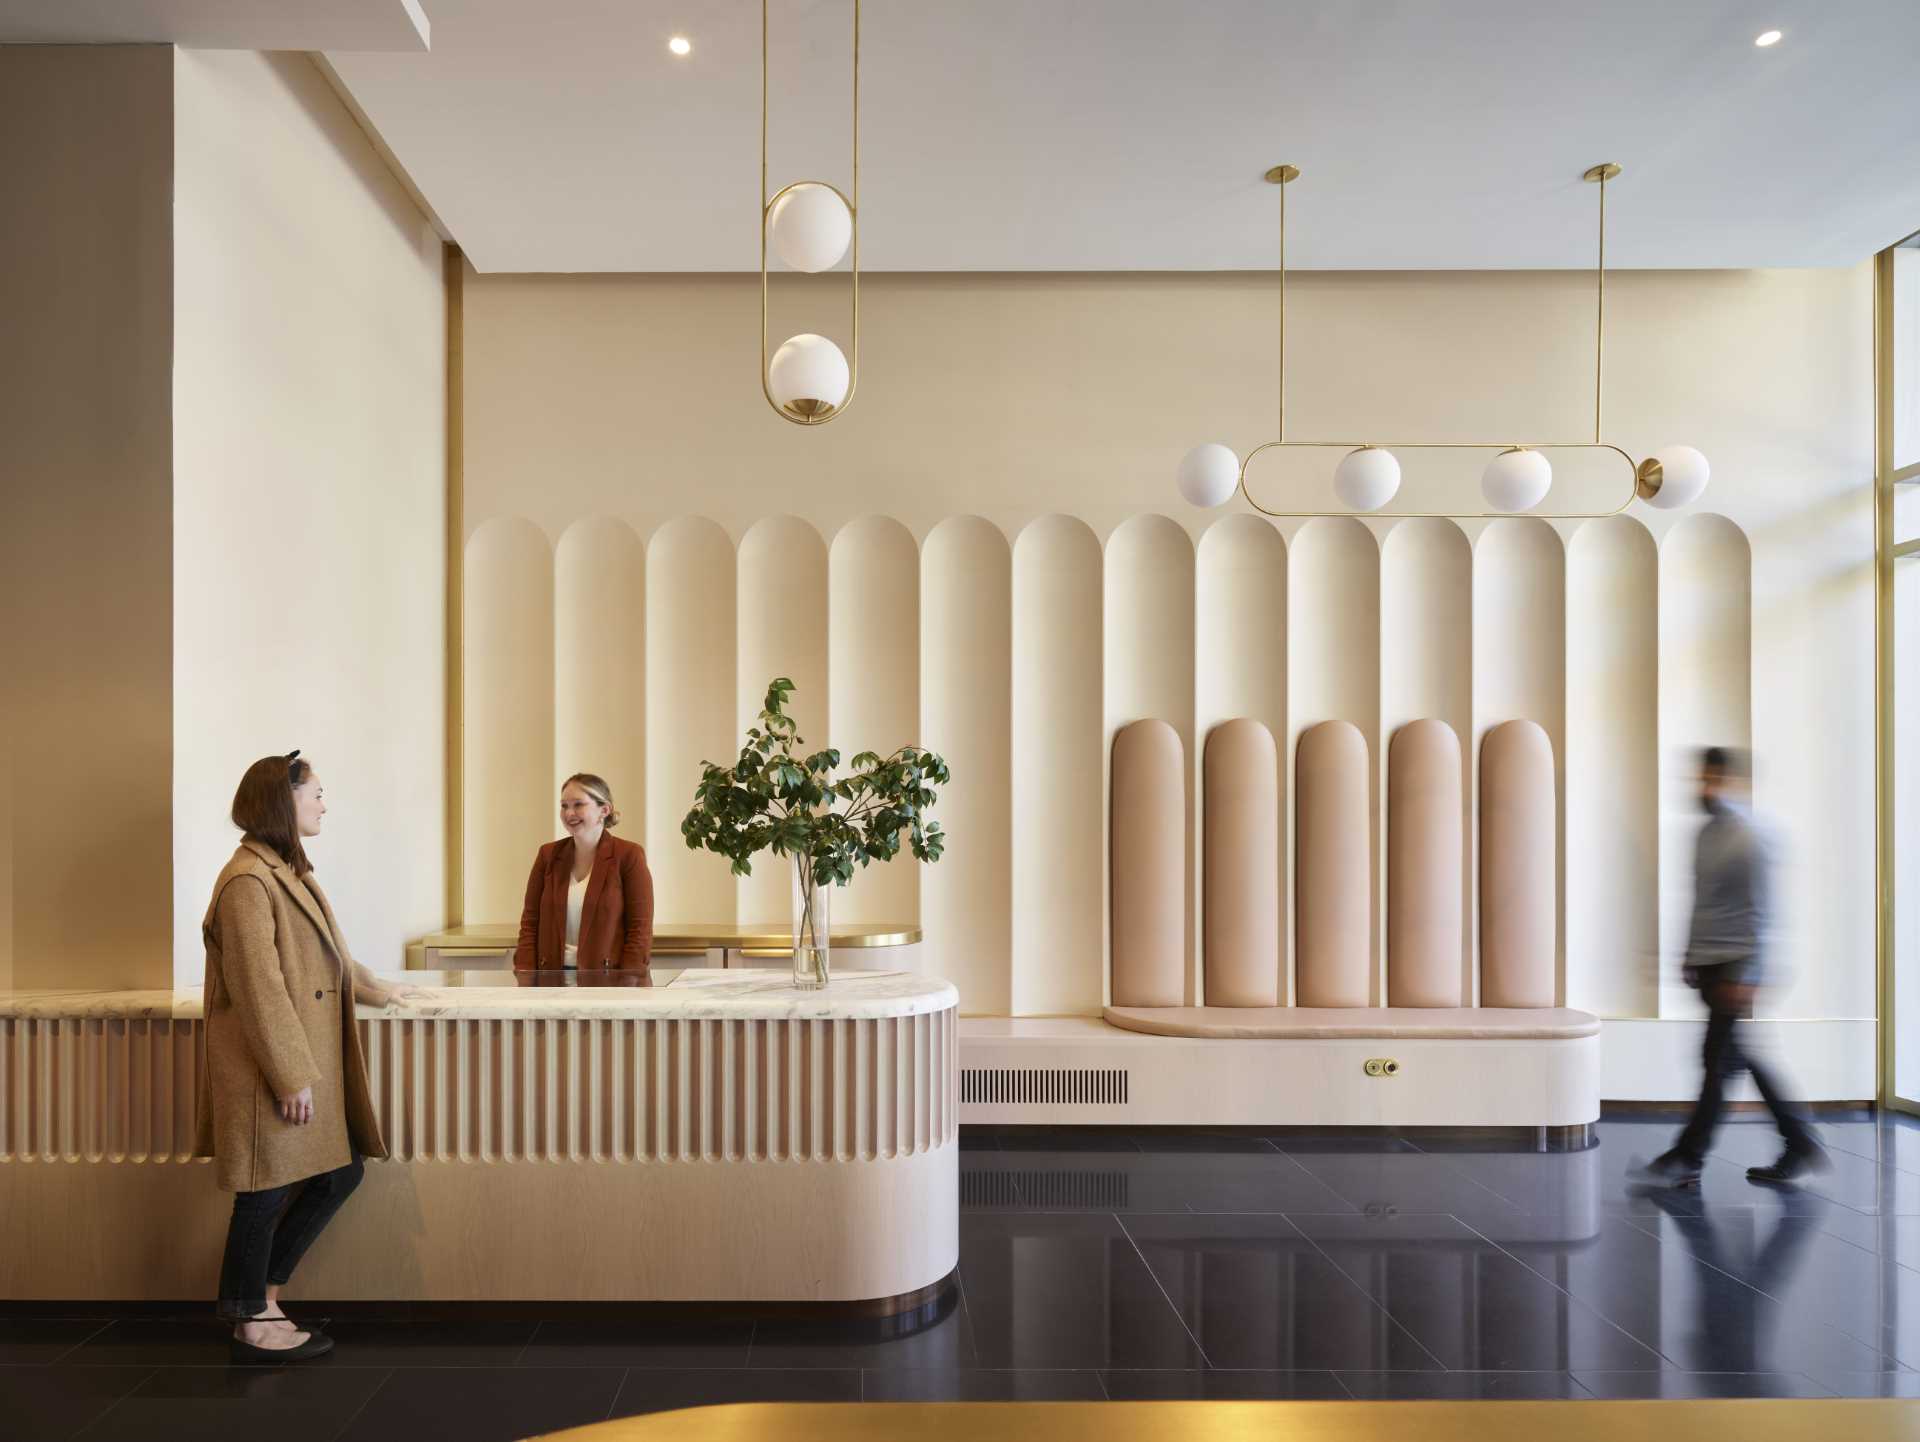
(1281,430)
(1600,310)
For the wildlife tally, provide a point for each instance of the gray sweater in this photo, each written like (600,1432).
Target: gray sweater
(1732,893)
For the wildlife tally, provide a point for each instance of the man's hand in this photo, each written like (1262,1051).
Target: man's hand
(298,1108)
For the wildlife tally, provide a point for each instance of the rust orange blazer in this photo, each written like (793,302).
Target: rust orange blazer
(616,915)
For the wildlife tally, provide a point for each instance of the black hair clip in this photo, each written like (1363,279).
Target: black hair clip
(293,754)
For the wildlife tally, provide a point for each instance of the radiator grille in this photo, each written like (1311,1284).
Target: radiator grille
(1043,1086)
(1046,1190)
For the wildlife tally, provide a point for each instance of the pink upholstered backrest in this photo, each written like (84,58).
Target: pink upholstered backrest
(1148,856)
(1333,882)
(1425,854)
(1241,866)
(1517,865)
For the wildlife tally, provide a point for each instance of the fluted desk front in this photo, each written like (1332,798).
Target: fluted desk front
(719,1136)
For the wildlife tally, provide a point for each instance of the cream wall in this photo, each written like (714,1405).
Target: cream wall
(309,491)
(1014,397)
(86,578)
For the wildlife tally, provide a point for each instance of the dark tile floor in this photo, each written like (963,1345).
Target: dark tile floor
(1133,1265)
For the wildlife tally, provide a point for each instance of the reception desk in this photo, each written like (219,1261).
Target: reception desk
(707,944)
(718,1136)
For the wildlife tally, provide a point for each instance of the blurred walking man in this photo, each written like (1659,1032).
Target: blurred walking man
(1732,898)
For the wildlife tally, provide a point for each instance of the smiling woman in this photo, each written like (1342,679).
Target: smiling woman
(589,902)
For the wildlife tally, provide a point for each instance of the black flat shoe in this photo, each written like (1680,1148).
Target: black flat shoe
(247,1355)
(1669,1169)
(1794,1163)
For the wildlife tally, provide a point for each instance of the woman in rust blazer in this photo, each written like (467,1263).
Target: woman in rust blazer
(589,896)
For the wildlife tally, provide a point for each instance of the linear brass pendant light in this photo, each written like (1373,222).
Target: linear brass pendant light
(1517,477)
(810,224)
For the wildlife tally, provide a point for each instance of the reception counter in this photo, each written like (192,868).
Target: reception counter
(718,1136)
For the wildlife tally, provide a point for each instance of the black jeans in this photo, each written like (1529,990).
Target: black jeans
(263,1247)
(1724,1057)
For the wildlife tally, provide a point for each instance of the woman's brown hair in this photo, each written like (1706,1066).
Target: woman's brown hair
(263,807)
(598,790)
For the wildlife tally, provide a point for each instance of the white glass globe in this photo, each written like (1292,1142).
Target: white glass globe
(810,227)
(1366,479)
(1683,475)
(809,377)
(1209,475)
(1516,480)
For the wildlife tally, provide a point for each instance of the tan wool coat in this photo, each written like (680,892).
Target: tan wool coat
(280,993)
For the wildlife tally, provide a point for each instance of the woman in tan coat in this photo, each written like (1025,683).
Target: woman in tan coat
(285,1108)
(589,901)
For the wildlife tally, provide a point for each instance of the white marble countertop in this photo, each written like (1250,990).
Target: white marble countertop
(693,994)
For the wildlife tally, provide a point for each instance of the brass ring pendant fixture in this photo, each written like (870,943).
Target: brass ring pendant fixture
(1516,479)
(811,224)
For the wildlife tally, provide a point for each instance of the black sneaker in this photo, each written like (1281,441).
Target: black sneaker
(1794,1163)
(1670,1169)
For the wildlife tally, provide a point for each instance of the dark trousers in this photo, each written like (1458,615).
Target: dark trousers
(264,1246)
(1724,1056)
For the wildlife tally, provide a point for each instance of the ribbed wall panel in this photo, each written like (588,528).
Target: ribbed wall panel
(518,1089)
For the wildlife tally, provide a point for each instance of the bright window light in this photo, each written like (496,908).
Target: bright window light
(1771,37)
(680,45)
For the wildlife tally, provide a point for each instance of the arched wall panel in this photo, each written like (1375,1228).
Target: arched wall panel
(1333,674)
(873,684)
(1612,769)
(1240,912)
(1517,899)
(1706,699)
(1520,659)
(1240,670)
(966,589)
(1425,863)
(783,632)
(508,704)
(1148,649)
(1058,780)
(1426,663)
(600,665)
(1149,871)
(1333,861)
(691,707)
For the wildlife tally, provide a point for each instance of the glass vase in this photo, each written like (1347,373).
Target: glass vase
(812,928)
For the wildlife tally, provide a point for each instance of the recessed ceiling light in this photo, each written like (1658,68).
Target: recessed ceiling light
(1771,37)
(680,45)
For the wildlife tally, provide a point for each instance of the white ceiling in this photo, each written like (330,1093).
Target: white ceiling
(559,135)
(219,24)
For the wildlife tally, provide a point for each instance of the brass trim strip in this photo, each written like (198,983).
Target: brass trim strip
(456,750)
(1884,760)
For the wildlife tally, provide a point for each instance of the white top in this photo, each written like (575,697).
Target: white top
(576,898)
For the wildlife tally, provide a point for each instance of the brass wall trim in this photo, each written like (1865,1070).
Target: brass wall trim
(456,751)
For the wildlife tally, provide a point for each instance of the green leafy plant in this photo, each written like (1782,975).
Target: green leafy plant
(774,799)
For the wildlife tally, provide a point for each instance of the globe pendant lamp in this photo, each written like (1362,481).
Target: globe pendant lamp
(809,225)
(1516,477)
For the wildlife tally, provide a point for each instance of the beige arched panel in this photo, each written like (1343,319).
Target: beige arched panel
(1333,674)
(873,684)
(1519,655)
(1706,699)
(1426,664)
(507,703)
(1240,671)
(691,689)
(1148,650)
(1148,856)
(1613,776)
(783,632)
(1058,782)
(600,665)
(1333,867)
(1240,858)
(1517,831)
(1425,863)
(966,596)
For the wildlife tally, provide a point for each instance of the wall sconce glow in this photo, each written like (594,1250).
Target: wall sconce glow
(1209,475)
(680,45)
(1516,480)
(1367,479)
(809,378)
(1771,37)
(810,226)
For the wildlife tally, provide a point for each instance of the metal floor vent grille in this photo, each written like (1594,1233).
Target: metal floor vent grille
(1049,1190)
(1043,1086)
